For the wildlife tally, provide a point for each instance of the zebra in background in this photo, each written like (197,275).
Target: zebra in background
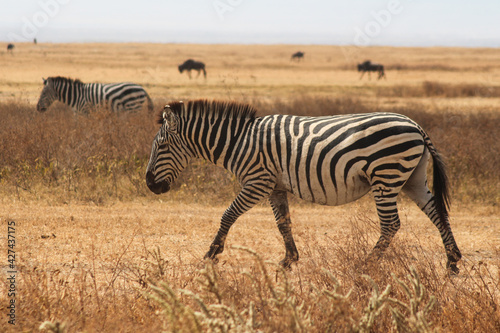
(190,64)
(83,97)
(329,160)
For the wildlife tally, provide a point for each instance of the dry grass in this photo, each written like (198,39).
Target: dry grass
(436,89)
(97,270)
(98,252)
(100,157)
(241,71)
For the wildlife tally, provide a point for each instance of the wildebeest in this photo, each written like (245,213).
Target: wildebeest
(10,47)
(297,55)
(191,64)
(367,66)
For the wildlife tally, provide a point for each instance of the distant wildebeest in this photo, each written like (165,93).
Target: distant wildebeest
(10,47)
(190,64)
(367,66)
(297,55)
(83,97)
(35,41)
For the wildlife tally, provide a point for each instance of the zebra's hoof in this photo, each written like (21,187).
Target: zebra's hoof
(213,252)
(452,268)
(287,263)
(213,259)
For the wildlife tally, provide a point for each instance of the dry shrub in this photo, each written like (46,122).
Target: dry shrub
(62,156)
(60,148)
(426,67)
(438,89)
(437,67)
(314,106)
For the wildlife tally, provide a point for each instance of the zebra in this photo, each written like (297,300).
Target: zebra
(83,97)
(297,55)
(367,66)
(330,160)
(190,64)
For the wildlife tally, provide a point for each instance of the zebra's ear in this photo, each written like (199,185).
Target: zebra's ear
(44,81)
(170,119)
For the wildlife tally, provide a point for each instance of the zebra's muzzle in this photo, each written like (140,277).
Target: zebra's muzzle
(156,188)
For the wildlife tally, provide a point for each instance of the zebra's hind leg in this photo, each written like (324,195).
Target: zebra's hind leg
(385,200)
(279,203)
(416,188)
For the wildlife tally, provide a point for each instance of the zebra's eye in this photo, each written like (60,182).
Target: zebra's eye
(162,143)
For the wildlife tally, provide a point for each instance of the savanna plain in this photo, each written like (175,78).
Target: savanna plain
(96,251)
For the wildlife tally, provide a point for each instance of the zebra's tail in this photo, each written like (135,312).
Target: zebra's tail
(151,106)
(440,182)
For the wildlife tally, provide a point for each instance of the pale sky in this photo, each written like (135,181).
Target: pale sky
(331,22)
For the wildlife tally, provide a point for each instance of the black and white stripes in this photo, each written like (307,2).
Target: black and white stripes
(83,97)
(328,160)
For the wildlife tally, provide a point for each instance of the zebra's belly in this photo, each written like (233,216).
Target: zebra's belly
(328,192)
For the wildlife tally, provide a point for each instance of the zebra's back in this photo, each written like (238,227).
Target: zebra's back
(124,96)
(336,160)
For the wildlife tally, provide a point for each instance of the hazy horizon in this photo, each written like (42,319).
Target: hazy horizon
(386,23)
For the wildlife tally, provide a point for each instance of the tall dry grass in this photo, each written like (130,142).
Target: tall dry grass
(335,291)
(438,89)
(62,156)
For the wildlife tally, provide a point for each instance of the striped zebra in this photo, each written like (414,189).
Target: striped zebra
(329,160)
(83,97)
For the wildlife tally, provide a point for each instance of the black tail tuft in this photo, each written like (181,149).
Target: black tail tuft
(440,185)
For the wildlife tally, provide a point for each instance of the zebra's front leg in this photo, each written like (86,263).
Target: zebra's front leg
(249,196)
(217,246)
(279,203)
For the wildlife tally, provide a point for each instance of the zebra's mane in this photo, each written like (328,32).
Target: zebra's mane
(59,79)
(205,108)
